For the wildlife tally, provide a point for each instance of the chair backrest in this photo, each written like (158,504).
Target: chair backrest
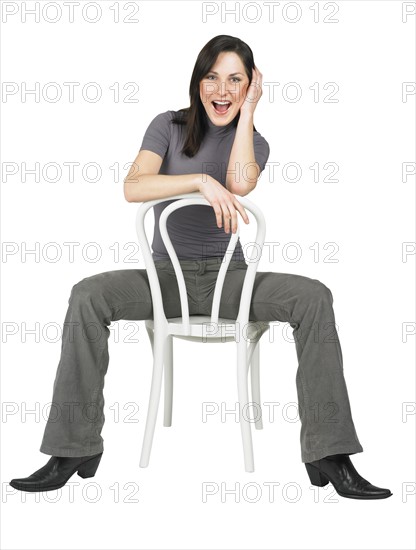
(181,201)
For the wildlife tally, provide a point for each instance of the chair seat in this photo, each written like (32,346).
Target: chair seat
(202,328)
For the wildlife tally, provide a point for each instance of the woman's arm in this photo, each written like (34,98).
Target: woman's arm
(159,186)
(243,170)
(144,183)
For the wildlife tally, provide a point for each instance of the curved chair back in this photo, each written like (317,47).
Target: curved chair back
(181,201)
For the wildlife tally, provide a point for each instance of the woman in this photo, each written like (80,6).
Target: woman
(211,147)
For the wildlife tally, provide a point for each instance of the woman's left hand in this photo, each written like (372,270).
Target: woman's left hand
(254,93)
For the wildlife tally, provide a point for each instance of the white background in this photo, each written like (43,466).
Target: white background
(368,133)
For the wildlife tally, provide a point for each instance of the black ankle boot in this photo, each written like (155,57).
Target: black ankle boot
(57,472)
(339,470)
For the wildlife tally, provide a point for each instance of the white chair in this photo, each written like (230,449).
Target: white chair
(199,327)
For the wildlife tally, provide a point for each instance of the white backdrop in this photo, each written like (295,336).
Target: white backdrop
(338,196)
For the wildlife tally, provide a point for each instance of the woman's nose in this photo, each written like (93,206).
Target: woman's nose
(225,88)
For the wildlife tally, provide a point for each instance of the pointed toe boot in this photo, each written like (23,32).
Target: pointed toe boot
(339,470)
(56,472)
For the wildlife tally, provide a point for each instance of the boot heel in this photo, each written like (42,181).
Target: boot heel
(88,468)
(316,477)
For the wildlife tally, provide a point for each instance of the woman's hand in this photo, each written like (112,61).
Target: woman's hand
(224,203)
(254,93)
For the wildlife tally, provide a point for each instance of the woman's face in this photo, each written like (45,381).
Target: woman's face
(226,81)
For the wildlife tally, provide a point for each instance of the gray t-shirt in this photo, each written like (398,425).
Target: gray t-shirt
(193,229)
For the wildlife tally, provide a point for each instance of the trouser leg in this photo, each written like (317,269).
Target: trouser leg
(77,412)
(306,304)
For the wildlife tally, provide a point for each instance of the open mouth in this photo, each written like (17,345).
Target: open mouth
(221,107)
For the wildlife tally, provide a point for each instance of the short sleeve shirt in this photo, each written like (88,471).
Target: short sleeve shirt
(193,230)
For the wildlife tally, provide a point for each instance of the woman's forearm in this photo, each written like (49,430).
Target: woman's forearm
(158,186)
(242,171)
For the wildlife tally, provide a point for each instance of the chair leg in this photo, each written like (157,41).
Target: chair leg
(168,376)
(242,384)
(255,385)
(159,345)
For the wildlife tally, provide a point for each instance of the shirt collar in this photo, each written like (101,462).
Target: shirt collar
(214,131)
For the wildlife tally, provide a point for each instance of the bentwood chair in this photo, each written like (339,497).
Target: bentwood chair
(202,328)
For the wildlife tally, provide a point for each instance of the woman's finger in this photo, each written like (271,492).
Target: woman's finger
(230,217)
(242,211)
(228,222)
(218,213)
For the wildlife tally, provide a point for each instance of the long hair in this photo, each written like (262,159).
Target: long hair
(193,118)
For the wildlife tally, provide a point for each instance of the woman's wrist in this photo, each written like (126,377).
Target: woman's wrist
(246,117)
(201,179)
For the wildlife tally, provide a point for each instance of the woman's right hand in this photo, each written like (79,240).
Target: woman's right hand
(224,203)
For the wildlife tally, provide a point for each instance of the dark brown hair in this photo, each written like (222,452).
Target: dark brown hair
(193,118)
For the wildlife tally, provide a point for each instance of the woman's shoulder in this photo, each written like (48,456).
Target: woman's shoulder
(162,122)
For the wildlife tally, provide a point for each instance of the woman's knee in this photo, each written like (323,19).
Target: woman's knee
(87,286)
(91,290)
(320,292)
(313,291)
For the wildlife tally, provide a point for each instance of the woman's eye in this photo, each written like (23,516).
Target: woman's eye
(235,78)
